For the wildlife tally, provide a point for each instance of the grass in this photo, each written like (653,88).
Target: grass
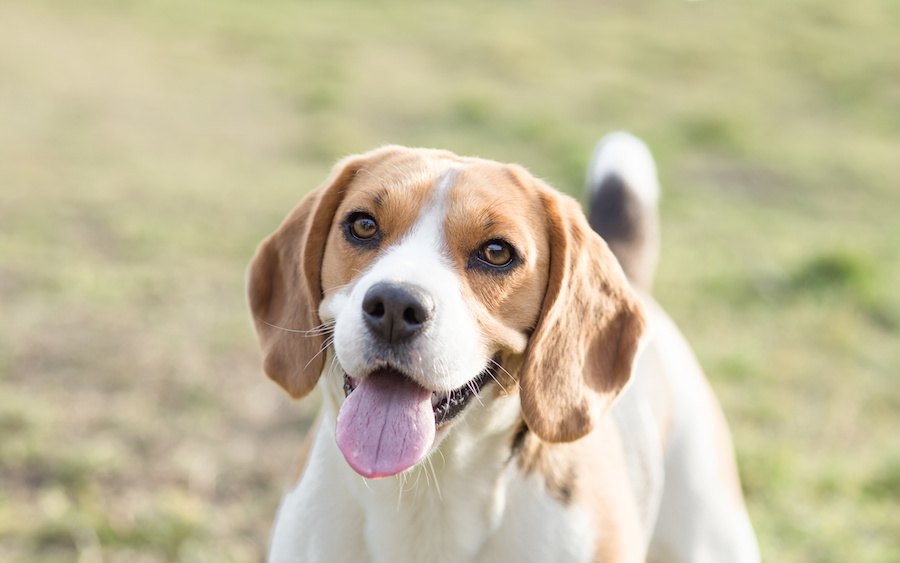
(145,147)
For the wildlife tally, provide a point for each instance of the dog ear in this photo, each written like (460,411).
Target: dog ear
(284,285)
(581,353)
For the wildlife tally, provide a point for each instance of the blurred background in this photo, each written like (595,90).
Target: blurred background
(146,147)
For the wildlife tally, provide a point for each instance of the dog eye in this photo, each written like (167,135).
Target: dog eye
(362,226)
(496,253)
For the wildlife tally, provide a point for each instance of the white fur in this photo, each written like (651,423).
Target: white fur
(467,502)
(627,156)
(450,352)
(698,520)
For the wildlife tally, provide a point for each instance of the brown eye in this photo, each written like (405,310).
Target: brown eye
(496,253)
(363,226)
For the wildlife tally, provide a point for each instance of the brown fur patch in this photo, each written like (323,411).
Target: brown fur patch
(533,456)
(583,348)
(588,473)
(305,449)
(487,204)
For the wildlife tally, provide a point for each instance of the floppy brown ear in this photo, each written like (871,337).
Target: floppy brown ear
(284,286)
(582,350)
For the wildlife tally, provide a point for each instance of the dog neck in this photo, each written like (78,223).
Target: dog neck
(452,501)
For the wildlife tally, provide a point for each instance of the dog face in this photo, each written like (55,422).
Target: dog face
(438,276)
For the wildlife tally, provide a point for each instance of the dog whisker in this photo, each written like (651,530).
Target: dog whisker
(474,390)
(427,478)
(503,369)
(337,288)
(323,328)
(437,484)
(416,485)
(400,489)
(325,345)
(334,363)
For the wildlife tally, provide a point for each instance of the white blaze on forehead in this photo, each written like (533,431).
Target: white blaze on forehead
(425,243)
(431,221)
(450,351)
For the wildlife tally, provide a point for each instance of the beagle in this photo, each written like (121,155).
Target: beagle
(497,384)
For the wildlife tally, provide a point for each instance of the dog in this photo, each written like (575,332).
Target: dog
(497,382)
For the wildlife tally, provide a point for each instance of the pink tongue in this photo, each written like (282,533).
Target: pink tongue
(386,425)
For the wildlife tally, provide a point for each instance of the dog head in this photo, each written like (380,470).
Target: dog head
(429,277)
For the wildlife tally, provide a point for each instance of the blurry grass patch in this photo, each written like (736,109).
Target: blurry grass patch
(833,271)
(328,138)
(34,456)
(535,128)
(766,471)
(849,276)
(736,367)
(86,527)
(834,477)
(567,165)
(57,535)
(884,485)
(15,421)
(165,528)
(745,289)
(31,463)
(322,91)
(323,96)
(885,314)
(840,277)
(472,109)
(712,132)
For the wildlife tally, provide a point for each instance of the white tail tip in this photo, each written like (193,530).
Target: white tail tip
(628,157)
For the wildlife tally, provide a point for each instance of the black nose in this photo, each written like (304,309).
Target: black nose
(396,311)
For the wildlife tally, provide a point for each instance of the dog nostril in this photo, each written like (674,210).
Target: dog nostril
(374,308)
(413,316)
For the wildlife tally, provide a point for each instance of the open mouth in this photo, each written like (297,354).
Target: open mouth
(388,423)
(445,405)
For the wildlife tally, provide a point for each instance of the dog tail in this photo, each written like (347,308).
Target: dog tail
(623,195)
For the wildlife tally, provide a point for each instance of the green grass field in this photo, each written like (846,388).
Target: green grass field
(146,147)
